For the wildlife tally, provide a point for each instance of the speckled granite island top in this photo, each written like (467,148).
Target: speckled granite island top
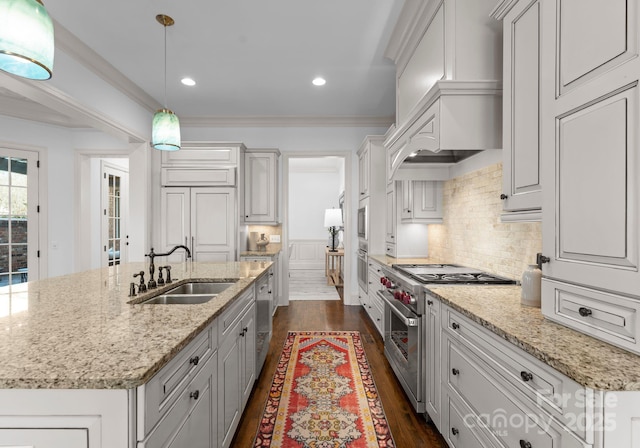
(79,331)
(586,360)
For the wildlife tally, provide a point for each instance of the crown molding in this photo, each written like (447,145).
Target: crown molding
(83,54)
(409,28)
(284,121)
(27,110)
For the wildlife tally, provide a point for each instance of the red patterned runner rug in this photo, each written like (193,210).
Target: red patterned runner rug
(323,396)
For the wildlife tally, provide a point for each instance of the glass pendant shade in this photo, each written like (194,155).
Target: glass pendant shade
(26,39)
(165,131)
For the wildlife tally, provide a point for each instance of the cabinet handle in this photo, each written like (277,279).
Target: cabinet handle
(455,326)
(455,372)
(269,292)
(541,259)
(585,312)
(524,444)
(245,330)
(429,302)
(194,395)
(454,431)
(195,360)
(503,196)
(526,376)
(408,211)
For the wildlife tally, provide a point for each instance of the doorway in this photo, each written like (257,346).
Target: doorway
(19,220)
(115,238)
(313,183)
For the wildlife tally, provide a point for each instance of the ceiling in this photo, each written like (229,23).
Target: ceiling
(250,58)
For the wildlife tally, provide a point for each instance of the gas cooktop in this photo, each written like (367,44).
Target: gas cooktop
(449,274)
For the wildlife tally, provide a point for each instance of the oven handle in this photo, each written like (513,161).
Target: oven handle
(408,321)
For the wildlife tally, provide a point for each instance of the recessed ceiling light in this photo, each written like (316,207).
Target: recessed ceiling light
(188,82)
(319,81)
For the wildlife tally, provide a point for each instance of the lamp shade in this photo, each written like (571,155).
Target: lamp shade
(26,39)
(333,217)
(165,131)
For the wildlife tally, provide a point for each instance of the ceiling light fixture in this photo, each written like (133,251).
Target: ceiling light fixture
(165,130)
(319,81)
(188,82)
(26,39)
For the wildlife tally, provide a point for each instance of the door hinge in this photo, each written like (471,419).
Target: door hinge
(37,164)
(38,209)
(105,212)
(104,175)
(104,248)
(38,254)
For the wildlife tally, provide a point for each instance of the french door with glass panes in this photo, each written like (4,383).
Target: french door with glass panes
(19,251)
(114,212)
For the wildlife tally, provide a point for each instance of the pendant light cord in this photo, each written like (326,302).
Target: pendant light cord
(165,66)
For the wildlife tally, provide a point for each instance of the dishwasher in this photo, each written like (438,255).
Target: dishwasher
(264,305)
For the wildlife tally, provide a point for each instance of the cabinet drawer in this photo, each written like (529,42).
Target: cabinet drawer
(196,398)
(512,421)
(543,386)
(199,156)
(606,316)
(233,313)
(185,177)
(390,250)
(159,394)
(463,428)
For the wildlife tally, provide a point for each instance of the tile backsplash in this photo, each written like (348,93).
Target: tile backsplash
(267,230)
(471,233)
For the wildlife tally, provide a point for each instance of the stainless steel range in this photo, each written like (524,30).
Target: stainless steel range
(405,297)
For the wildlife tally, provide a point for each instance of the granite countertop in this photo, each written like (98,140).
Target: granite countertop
(387,260)
(79,331)
(588,361)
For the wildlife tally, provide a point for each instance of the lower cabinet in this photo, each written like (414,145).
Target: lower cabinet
(433,355)
(236,365)
(49,437)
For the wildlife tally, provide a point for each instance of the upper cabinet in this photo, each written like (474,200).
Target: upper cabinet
(208,164)
(521,191)
(590,102)
(260,205)
(421,202)
(371,192)
(448,92)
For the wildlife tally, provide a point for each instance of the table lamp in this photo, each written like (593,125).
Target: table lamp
(333,220)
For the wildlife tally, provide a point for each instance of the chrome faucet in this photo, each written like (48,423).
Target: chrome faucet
(152,266)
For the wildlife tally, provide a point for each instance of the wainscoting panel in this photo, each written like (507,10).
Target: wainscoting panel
(307,254)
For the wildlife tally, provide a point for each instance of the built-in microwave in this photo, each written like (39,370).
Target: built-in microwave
(363,222)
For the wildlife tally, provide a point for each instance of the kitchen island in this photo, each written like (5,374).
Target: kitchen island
(78,353)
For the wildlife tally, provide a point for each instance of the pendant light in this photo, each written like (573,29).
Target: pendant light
(26,39)
(165,130)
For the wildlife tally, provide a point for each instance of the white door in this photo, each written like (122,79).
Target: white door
(213,224)
(19,220)
(115,239)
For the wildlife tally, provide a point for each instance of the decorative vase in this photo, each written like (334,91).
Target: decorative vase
(262,243)
(531,286)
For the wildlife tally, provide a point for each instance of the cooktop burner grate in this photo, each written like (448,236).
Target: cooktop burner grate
(450,274)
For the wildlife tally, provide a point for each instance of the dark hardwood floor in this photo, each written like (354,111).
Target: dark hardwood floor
(408,428)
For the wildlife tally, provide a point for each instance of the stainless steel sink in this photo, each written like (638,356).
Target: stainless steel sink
(199,288)
(179,299)
(189,294)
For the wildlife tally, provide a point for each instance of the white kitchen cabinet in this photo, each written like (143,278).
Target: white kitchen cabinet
(372,187)
(206,164)
(522,190)
(203,219)
(276,274)
(590,102)
(432,378)
(421,201)
(236,364)
(375,305)
(49,437)
(403,239)
(260,199)
(364,171)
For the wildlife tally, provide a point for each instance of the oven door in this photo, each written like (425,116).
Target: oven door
(362,223)
(363,271)
(403,347)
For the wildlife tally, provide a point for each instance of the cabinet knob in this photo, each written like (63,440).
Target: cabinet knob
(455,431)
(455,372)
(526,376)
(541,259)
(378,319)
(408,211)
(429,302)
(585,312)
(455,326)
(195,360)
(503,196)
(525,444)
(194,395)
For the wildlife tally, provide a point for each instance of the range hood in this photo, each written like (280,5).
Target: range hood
(453,121)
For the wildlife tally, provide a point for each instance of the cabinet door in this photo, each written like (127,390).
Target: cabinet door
(521,112)
(406,205)
(196,430)
(433,386)
(591,228)
(260,198)
(427,201)
(248,353)
(213,218)
(229,384)
(175,206)
(390,225)
(364,161)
